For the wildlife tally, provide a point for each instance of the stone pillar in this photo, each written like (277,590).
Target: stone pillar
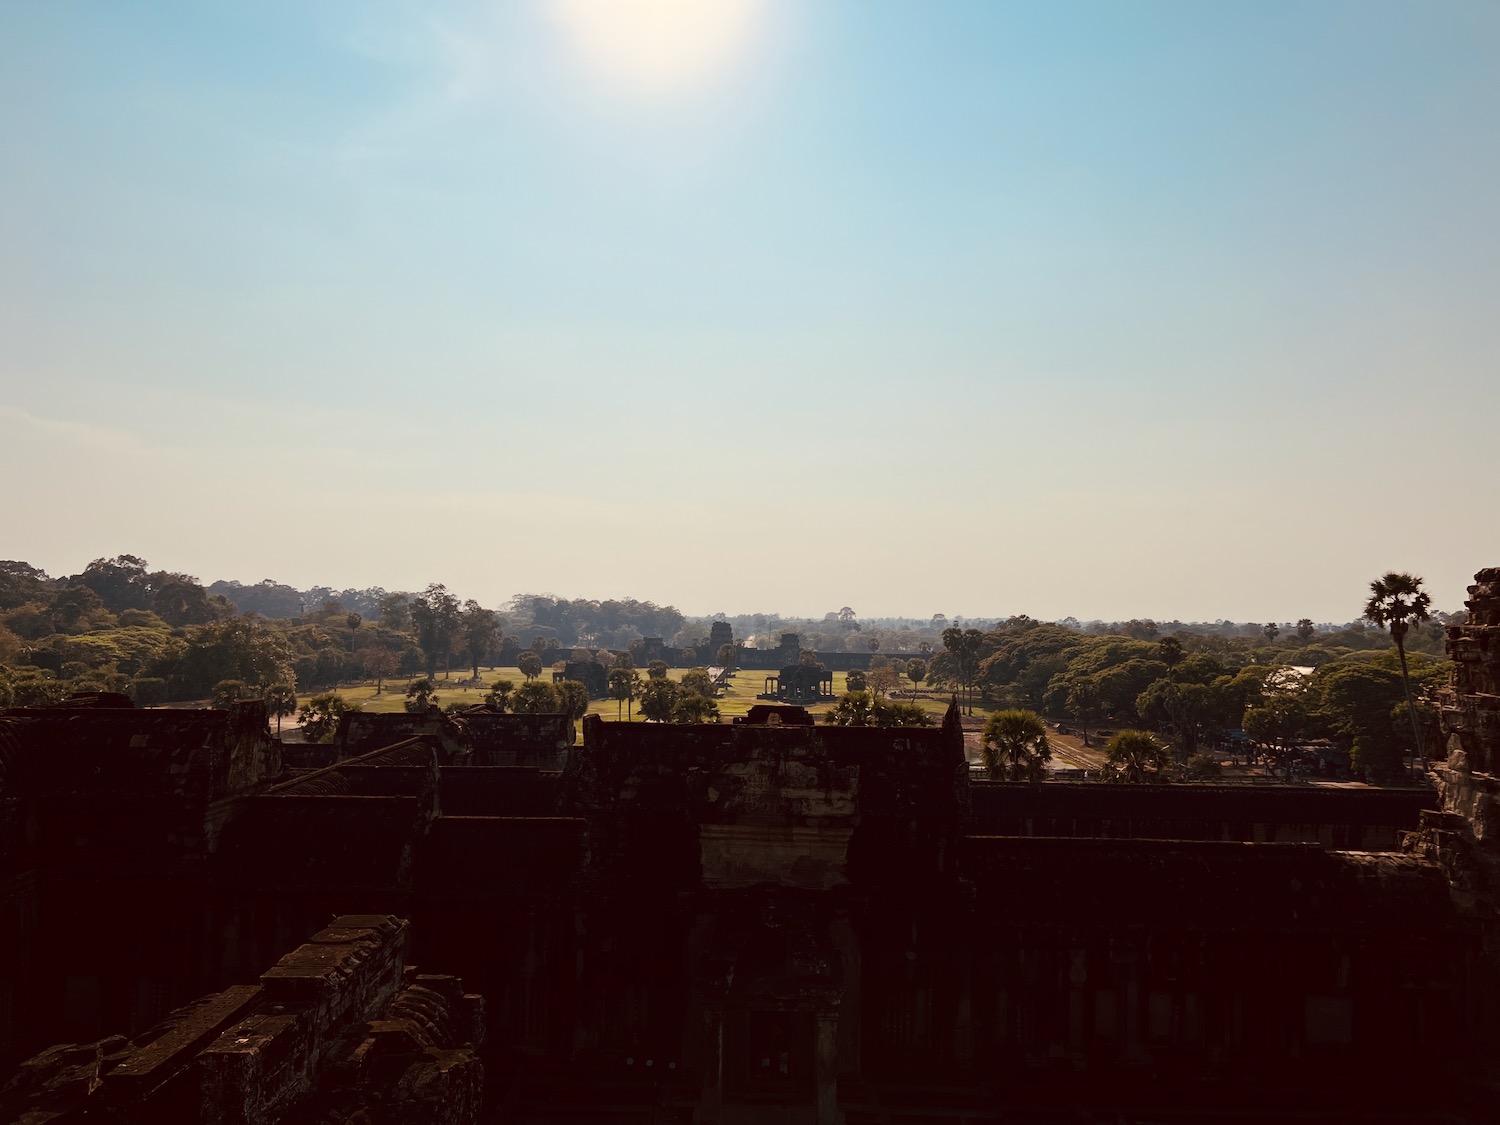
(1135,1052)
(847,943)
(1079,1017)
(711,1101)
(963,1034)
(826,1060)
(581,1019)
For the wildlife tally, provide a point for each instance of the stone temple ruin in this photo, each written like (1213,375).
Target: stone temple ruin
(739,922)
(799,683)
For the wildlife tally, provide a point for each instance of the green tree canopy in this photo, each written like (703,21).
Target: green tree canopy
(573,697)
(421,695)
(226,693)
(179,599)
(481,632)
(698,680)
(530,665)
(658,697)
(1355,698)
(499,694)
(121,582)
(236,649)
(916,671)
(691,707)
(1187,708)
(380,662)
(436,616)
(963,652)
(320,716)
(624,685)
(862,709)
(535,697)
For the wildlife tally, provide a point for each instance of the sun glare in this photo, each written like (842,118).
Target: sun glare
(659,45)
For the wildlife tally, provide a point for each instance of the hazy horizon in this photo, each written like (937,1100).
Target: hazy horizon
(732,610)
(1148,310)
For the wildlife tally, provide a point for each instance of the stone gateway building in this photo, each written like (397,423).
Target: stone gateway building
(750,922)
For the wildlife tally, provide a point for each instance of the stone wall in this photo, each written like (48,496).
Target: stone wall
(1348,819)
(108,812)
(476,737)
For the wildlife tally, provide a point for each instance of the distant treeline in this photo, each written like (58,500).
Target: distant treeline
(162,635)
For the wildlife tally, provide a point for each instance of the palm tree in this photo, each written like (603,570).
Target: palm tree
(1134,756)
(1396,601)
(421,695)
(1083,698)
(281,701)
(855,709)
(1015,746)
(916,672)
(623,684)
(1169,652)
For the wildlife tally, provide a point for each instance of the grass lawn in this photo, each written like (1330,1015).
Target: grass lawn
(452,690)
(739,695)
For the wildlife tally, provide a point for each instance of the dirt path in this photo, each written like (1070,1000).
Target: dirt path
(1068,750)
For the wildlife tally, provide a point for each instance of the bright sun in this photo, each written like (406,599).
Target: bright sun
(658,45)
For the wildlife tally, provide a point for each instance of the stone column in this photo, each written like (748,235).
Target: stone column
(711,1102)
(847,943)
(826,1060)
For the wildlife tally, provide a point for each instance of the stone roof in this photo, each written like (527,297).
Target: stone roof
(779,770)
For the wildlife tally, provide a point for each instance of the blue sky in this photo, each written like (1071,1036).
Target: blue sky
(1102,309)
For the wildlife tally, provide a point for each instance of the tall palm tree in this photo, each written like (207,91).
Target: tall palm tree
(281,701)
(623,683)
(1396,602)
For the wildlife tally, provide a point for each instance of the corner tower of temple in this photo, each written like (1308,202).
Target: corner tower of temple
(1463,836)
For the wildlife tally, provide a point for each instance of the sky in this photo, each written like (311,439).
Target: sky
(1104,309)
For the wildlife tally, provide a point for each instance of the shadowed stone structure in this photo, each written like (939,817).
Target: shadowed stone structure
(477,736)
(1463,837)
(751,921)
(341,1029)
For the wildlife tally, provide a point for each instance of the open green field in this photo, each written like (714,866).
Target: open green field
(737,698)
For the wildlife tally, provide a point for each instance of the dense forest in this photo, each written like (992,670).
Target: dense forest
(163,636)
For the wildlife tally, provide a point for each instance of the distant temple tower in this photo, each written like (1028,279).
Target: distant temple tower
(719,634)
